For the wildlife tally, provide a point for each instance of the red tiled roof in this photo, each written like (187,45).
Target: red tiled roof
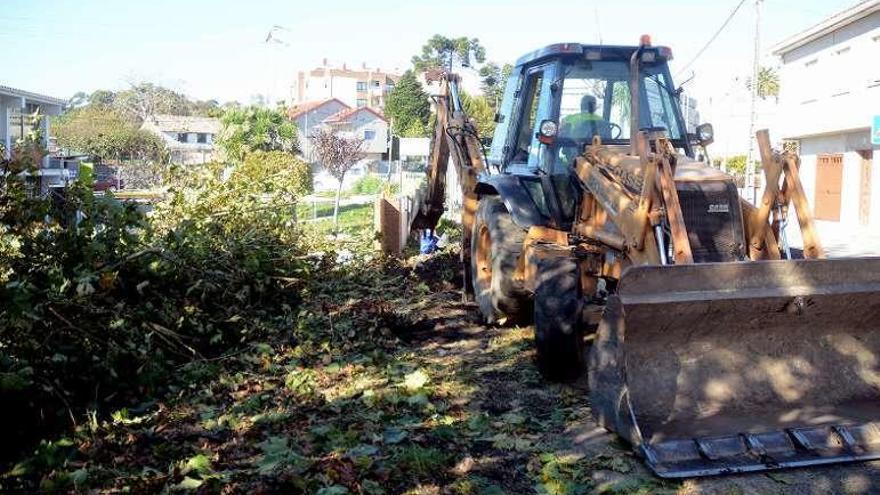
(308,106)
(344,115)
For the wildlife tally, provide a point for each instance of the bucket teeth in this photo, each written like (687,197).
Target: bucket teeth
(732,367)
(745,452)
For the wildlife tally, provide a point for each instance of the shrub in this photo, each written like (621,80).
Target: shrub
(101,305)
(272,165)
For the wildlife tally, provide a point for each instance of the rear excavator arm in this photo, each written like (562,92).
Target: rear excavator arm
(455,136)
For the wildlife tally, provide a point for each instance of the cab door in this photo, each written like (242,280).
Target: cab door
(535,105)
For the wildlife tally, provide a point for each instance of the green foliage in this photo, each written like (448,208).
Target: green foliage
(102,311)
(492,81)
(250,129)
(439,52)
(144,99)
(768,83)
(736,166)
(373,184)
(408,107)
(106,133)
(480,109)
(278,167)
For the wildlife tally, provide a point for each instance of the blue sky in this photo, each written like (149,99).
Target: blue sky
(215,48)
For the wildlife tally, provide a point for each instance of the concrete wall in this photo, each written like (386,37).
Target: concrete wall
(833,83)
(847,144)
(829,92)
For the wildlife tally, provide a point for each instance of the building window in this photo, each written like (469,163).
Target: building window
(376,101)
(181,137)
(362,102)
(369,135)
(362,85)
(202,138)
(376,84)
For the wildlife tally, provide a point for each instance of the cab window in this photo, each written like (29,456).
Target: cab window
(531,102)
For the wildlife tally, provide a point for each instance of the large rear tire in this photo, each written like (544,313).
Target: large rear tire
(559,332)
(496,245)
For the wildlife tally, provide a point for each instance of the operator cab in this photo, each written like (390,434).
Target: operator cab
(558,98)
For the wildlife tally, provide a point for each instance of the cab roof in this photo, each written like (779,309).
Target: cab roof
(609,52)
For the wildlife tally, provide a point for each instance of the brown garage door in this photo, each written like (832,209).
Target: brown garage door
(829,181)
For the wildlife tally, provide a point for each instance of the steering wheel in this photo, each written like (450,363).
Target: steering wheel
(614,126)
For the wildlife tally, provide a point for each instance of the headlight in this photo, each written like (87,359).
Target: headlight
(549,128)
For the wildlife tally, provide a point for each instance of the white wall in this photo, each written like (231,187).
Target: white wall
(364,121)
(832,84)
(329,86)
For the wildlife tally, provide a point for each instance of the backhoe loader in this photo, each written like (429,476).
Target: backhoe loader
(711,349)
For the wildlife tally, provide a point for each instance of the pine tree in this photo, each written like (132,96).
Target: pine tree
(408,107)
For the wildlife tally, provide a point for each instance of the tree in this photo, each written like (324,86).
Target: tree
(337,155)
(250,129)
(441,52)
(481,111)
(409,107)
(492,80)
(78,100)
(205,108)
(102,97)
(143,100)
(104,132)
(768,83)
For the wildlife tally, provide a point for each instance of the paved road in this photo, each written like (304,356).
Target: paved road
(842,241)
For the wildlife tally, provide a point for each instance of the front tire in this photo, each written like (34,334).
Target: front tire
(559,332)
(496,245)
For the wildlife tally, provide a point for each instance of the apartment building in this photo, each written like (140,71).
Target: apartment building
(829,98)
(357,88)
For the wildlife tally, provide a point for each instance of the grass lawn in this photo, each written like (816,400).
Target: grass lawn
(352,218)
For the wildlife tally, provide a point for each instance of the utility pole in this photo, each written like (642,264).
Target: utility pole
(751,189)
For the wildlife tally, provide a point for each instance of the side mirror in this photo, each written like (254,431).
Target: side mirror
(547,131)
(705,134)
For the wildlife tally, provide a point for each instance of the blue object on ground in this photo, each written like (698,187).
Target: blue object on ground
(428,242)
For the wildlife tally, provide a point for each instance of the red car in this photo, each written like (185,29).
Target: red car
(110,183)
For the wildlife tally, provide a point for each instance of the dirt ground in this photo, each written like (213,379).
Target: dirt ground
(457,332)
(414,397)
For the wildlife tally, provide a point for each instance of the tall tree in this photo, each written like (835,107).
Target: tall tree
(77,100)
(102,97)
(337,155)
(408,107)
(481,111)
(439,52)
(250,129)
(492,80)
(143,100)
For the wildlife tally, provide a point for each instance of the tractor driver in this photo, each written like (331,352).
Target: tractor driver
(585,124)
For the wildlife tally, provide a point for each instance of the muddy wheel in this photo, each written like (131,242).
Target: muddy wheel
(559,334)
(496,245)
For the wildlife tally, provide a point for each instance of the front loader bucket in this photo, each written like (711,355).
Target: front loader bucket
(732,367)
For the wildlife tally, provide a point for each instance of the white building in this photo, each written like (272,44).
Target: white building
(357,88)
(16,107)
(829,94)
(189,140)
(364,123)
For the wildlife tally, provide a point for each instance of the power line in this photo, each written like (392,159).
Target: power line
(714,36)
